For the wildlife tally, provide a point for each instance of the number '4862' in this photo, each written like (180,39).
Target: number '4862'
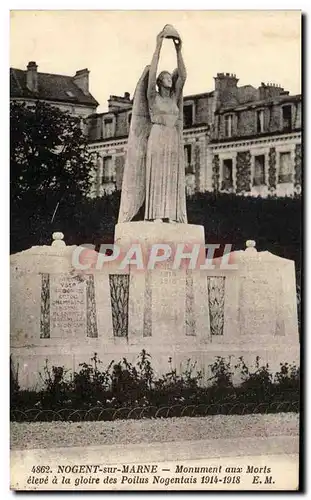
(40,469)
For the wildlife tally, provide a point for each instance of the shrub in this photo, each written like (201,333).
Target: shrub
(222,373)
(127,385)
(173,388)
(55,392)
(288,378)
(90,385)
(258,382)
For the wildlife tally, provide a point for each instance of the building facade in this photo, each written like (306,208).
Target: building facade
(68,93)
(236,139)
(255,146)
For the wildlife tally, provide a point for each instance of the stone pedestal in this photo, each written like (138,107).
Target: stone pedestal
(148,233)
(167,301)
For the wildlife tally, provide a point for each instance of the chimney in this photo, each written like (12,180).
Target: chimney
(81,79)
(270,90)
(32,76)
(116,102)
(224,81)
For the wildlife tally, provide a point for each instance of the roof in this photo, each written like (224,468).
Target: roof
(278,99)
(51,87)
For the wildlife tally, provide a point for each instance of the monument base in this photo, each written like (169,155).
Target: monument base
(167,301)
(64,315)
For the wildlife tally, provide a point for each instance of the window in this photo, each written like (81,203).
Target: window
(260,121)
(285,168)
(108,127)
(259,170)
(287,117)
(227,174)
(129,119)
(190,185)
(108,173)
(188,115)
(188,159)
(228,125)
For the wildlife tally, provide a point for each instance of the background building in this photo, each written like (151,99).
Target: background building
(68,93)
(255,143)
(236,139)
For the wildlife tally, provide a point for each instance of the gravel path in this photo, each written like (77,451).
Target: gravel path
(57,434)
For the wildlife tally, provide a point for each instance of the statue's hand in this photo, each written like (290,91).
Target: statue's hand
(177,43)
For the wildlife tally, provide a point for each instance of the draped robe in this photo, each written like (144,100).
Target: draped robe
(134,177)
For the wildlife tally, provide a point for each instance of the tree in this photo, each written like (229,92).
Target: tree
(48,155)
(50,171)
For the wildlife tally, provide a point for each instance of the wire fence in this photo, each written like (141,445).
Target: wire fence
(98,413)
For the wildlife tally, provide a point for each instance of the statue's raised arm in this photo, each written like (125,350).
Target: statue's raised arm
(181,74)
(154,169)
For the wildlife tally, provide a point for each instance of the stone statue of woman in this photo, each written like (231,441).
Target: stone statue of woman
(154,167)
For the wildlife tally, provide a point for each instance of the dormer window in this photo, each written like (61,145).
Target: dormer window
(287,117)
(188,115)
(228,125)
(108,127)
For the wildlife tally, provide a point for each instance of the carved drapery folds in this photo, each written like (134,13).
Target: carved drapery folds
(120,160)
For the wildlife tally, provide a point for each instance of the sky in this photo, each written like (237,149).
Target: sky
(258,46)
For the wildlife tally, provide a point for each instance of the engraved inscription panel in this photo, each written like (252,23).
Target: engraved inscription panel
(168,299)
(258,307)
(67,306)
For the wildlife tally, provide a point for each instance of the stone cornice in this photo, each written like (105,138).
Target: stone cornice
(251,142)
(112,143)
(98,146)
